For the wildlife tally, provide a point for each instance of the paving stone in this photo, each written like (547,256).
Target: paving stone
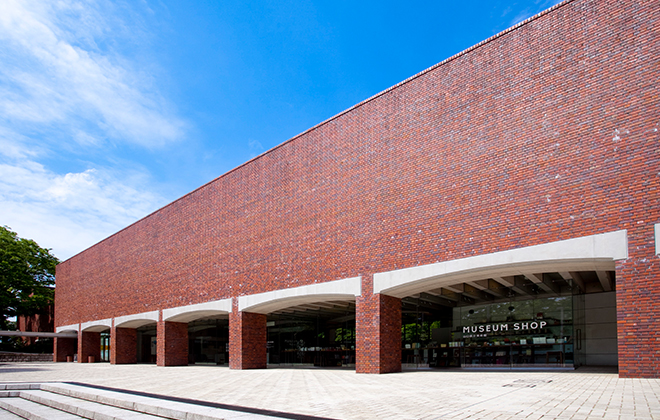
(343,394)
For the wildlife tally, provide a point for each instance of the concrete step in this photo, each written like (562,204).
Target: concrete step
(56,400)
(34,411)
(147,405)
(7,415)
(94,404)
(84,408)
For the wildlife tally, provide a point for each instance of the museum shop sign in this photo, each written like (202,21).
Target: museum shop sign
(484,330)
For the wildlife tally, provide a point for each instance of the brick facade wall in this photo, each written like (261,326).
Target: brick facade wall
(247,340)
(64,347)
(637,303)
(43,321)
(123,345)
(172,344)
(543,133)
(89,344)
(378,332)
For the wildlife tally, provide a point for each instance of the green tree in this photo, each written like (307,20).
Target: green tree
(27,274)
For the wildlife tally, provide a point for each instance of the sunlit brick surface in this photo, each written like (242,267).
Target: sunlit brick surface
(89,344)
(63,347)
(247,340)
(172,345)
(123,345)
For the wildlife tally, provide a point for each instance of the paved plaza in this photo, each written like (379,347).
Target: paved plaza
(343,394)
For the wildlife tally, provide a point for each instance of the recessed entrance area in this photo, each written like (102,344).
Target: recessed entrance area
(544,320)
(208,341)
(551,305)
(318,334)
(147,344)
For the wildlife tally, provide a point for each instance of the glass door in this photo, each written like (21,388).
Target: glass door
(105,347)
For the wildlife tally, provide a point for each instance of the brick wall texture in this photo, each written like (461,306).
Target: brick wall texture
(43,321)
(123,345)
(548,131)
(378,332)
(247,340)
(63,347)
(172,344)
(89,344)
(11,357)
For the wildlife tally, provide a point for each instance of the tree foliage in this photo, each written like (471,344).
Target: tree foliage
(27,274)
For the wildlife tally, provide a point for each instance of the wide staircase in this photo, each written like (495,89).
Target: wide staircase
(64,401)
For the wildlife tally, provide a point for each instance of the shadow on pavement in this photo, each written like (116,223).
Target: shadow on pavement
(19,370)
(272,413)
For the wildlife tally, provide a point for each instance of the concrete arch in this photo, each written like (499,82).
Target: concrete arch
(264,303)
(595,252)
(68,328)
(96,326)
(201,310)
(136,320)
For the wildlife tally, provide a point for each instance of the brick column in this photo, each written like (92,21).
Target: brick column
(123,346)
(63,347)
(378,331)
(89,344)
(637,303)
(247,340)
(172,343)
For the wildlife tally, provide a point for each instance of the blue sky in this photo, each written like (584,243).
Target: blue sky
(110,110)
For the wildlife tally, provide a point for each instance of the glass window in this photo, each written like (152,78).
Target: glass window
(533,332)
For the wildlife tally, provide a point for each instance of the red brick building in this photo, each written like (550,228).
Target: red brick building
(499,209)
(42,321)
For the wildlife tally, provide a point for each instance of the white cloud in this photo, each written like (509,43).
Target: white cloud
(54,73)
(73,211)
(69,92)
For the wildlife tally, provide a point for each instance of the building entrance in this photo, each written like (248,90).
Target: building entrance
(208,341)
(553,322)
(105,347)
(319,334)
(147,344)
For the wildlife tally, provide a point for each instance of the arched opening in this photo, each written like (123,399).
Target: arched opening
(566,321)
(318,334)
(95,341)
(312,325)
(65,345)
(208,340)
(206,333)
(135,338)
(549,306)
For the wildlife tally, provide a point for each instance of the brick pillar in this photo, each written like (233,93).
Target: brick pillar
(637,303)
(63,347)
(378,331)
(123,346)
(89,344)
(172,343)
(247,340)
